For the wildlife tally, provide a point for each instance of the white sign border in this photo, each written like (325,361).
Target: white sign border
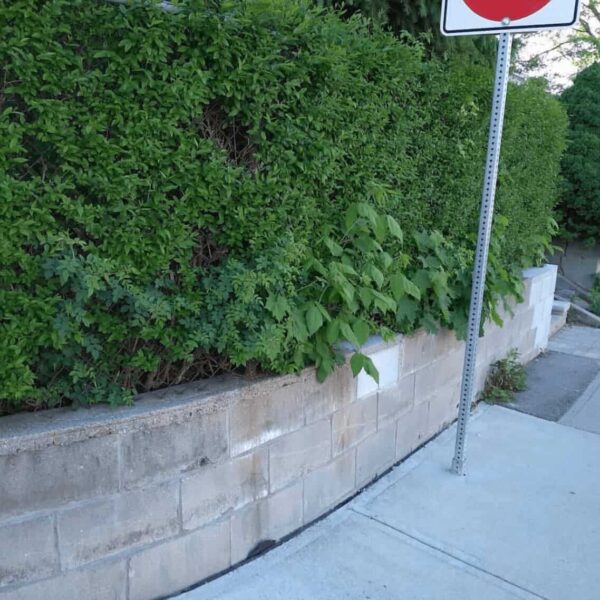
(506,28)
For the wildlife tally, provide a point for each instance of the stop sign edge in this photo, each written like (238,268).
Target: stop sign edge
(500,28)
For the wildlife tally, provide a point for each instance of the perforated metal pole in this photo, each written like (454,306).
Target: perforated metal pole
(483,244)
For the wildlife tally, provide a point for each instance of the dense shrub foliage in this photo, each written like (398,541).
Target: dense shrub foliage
(240,184)
(420,18)
(580,203)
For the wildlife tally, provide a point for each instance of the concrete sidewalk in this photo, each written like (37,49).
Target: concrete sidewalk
(524,522)
(564,383)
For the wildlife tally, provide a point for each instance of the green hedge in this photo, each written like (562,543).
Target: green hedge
(420,18)
(580,199)
(242,184)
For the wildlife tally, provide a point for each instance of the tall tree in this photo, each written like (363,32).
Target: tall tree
(584,41)
(580,205)
(542,54)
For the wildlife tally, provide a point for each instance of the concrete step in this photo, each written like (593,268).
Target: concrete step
(560,310)
(580,316)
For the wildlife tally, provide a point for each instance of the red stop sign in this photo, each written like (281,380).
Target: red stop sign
(497,10)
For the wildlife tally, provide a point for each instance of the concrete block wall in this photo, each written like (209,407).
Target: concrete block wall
(141,502)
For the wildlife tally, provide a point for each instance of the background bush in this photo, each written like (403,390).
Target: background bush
(580,202)
(240,184)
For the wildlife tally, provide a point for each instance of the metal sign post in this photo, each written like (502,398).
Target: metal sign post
(483,244)
(477,17)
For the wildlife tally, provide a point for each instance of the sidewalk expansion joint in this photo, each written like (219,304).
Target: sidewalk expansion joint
(421,542)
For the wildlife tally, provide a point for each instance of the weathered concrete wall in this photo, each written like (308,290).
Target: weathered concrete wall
(136,503)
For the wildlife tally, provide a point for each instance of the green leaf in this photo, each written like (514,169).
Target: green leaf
(387,260)
(366,244)
(361,331)
(346,269)
(314,319)
(345,289)
(495,316)
(394,228)
(370,369)
(381,228)
(334,247)
(407,311)
(348,334)
(422,280)
(278,306)
(298,327)
(397,285)
(430,325)
(377,275)
(367,211)
(332,333)
(401,286)
(411,289)
(357,363)
(350,218)
(366,296)
(383,302)
(323,372)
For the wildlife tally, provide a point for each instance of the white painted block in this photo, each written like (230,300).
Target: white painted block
(551,281)
(536,294)
(387,362)
(365,385)
(543,321)
(542,281)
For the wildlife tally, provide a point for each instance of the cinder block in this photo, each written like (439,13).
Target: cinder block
(328,486)
(172,566)
(376,454)
(27,551)
(412,430)
(106,580)
(500,342)
(421,349)
(443,407)
(266,411)
(55,475)
(323,399)
(432,379)
(298,453)
(485,346)
(100,528)
(212,492)
(480,379)
(394,401)
(491,346)
(527,347)
(265,521)
(172,449)
(354,423)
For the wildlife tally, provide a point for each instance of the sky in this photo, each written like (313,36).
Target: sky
(558,69)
